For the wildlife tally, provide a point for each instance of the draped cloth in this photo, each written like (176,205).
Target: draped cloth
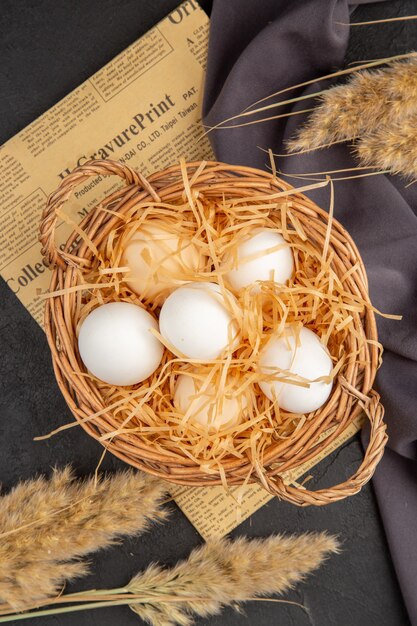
(257,48)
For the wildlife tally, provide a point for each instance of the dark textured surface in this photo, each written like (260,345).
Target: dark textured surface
(47,48)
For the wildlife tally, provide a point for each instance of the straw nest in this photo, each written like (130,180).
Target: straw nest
(216,206)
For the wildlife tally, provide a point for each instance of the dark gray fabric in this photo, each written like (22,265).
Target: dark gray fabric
(257,48)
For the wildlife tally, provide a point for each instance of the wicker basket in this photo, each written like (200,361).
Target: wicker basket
(352,393)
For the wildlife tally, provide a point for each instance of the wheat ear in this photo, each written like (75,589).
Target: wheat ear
(391,148)
(223,572)
(368,101)
(46,526)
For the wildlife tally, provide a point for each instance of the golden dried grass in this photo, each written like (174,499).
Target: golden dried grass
(48,525)
(221,573)
(377,111)
(224,572)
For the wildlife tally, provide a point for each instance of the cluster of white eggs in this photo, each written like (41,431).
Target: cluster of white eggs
(117,345)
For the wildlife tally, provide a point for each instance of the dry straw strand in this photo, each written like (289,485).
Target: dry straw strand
(387,20)
(250,110)
(48,525)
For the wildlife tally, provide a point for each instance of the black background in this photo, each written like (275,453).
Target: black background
(47,48)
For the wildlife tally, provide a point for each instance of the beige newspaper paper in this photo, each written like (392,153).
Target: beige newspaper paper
(214,514)
(144,109)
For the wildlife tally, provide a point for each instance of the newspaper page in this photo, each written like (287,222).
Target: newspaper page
(144,109)
(214,513)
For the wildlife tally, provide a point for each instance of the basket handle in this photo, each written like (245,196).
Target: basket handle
(51,253)
(304,497)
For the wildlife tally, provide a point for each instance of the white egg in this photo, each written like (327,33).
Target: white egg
(254,262)
(196,322)
(310,360)
(116,343)
(158,260)
(205,408)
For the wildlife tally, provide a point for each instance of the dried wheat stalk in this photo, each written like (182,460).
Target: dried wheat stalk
(391,147)
(47,525)
(377,110)
(220,573)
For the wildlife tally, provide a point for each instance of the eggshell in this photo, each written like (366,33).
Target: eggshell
(157,260)
(116,344)
(255,263)
(310,360)
(204,408)
(195,321)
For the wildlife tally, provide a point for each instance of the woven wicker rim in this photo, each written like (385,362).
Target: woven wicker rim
(352,392)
